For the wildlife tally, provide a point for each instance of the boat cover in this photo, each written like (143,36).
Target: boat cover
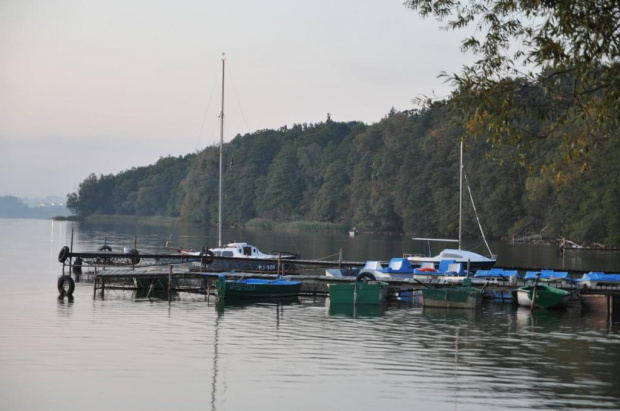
(547,275)
(496,273)
(399,265)
(599,276)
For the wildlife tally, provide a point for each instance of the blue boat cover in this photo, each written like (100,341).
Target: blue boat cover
(599,276)
(446,267)
(399,265)
(496,273)
(547,275)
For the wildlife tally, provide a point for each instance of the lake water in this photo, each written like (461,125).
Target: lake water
(196,353)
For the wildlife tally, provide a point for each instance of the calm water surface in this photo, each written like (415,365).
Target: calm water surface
(126,352)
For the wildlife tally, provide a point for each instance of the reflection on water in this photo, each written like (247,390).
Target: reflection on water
(228,304)
(197,352)
(356,311)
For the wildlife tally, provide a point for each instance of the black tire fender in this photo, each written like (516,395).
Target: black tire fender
(365,277)
(105,248)
(206,256)
(134,256)
(66,285)
(64,254)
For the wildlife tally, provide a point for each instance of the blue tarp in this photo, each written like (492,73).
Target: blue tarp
(599,276)
(398,265)
(446,267)
(496,273)
(547,275)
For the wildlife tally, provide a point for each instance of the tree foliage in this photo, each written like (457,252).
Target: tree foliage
(398,175)
(555,62)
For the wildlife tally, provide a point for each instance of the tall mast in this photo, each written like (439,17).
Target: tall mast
(460,194)
(219,213)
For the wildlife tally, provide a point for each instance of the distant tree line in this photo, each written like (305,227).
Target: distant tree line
(398,175)
(13,207)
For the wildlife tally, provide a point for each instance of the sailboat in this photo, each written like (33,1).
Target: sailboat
(238,256)
(474,260)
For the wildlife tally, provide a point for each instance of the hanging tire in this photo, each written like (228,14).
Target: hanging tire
(365,277)
(206,259)
(64,254)
(105,248)
(134,256)
(66,286)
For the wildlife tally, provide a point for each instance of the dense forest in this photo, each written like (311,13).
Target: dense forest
(398,175)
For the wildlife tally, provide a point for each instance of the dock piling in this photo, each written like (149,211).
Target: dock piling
(170,285)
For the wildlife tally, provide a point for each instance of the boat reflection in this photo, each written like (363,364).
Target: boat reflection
(223,304)
(356,310)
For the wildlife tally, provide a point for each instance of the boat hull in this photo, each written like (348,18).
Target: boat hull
(473,264)
(257,288)
(546,297)
(372,292)
(241,264)
(457,297)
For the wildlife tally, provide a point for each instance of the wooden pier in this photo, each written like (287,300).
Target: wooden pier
(174,273)
(186,281)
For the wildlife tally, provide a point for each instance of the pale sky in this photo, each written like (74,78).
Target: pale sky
(103,86)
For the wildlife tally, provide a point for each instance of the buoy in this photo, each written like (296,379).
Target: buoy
(66,286)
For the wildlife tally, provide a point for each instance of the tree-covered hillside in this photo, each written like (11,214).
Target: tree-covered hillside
(399,175)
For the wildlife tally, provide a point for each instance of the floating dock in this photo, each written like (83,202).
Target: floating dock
(172,273)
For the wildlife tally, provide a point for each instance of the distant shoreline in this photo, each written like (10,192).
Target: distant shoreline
(254,224)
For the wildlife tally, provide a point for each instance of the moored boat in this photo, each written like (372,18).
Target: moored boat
(397,269)
(474,260)
(469,259)
(498,275)
(241,257)
(547,275)
(598,279)
(544,296)
(254,288)
(401,269)
(236,256)
(448,271)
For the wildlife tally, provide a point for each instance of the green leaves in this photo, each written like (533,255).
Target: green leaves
(569,49)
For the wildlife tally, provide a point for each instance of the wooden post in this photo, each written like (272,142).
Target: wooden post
(70,258)
(279,263)
(102,288)
(534,293)
(340,259)
(169,284)
(95,287)
(151,288)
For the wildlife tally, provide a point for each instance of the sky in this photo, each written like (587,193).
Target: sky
(104,86)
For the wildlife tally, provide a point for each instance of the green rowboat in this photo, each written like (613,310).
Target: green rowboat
(253,288)
(546,296)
